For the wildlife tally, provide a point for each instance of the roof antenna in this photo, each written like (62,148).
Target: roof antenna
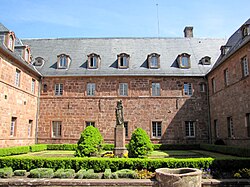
(158,22)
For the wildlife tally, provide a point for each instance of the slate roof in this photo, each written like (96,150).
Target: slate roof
(137,48)
(235,42)
(3,28)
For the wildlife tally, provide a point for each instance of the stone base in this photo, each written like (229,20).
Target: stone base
(120,151)
(120,148)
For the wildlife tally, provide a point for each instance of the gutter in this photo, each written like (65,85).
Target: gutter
(208,115)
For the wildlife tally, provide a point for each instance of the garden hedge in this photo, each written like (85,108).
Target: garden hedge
(14,150)
(237,151)
(69,147)
(176,146)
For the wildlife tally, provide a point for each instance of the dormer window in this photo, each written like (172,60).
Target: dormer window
(184,61)
(11,41)
(39,61)
(224,49)
(205,60)
(245,29)
(93,61)
(63,61)
(27,54)
(154,61)
(123,61)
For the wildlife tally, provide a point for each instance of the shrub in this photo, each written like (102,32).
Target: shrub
(144,174)
(14,150)
(90,174)
(38,147)
(140,144)
(41,173)
(20,172)
(243,173)
(6,172)
(79,174)
(126,173)
(108,147)
(114,176)
(64,173)
(89,143)
(70,147)
(107,174)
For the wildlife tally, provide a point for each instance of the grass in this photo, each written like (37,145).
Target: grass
(175,154)
(56,153)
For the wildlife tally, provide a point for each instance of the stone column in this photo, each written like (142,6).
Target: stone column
(120,148)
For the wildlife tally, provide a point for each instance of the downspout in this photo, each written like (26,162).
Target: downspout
(38,110)
(208,116)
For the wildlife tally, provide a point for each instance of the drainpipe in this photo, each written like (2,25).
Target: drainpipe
(38,110)
(208,116)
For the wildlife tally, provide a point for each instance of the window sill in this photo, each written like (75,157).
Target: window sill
(59,137)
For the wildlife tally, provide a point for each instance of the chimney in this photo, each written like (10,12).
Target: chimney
(188,32)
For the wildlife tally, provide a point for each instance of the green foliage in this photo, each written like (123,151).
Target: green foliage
(144,174)
(108,147)
(64,173)
(107,174)
(38,147)
(20,172)
(114,176)
(243,173)
(14,150)
(126,173)
(70,147)
(41,173)
(6,172)
(80,173)
(90,174)
(237,151)
(89,143)
(140,144)
(176,146)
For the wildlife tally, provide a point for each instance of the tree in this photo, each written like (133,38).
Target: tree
(89,143)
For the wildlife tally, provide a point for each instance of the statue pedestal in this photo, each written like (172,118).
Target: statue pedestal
(120,148)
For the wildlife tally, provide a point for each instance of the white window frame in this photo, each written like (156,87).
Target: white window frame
(93,62)
(11,42)
(216,129)
(123,89)
(17,77)
(56,129)
(156,129)
(33,83)
(202,87)
(230,127)
(123,61)
(190,129)
(63,61)
(58,89)
(156,89)
(91,89)
(13,126)
(26,55)
(245,66)
(188,89)
(154,61)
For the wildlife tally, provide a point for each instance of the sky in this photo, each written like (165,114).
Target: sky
(123,18)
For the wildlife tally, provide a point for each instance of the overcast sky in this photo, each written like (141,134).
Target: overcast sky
(122,18)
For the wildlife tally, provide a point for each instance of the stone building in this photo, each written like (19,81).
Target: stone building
(161,81)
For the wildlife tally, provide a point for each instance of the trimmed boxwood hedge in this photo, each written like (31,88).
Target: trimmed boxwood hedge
(14,150)
(69,147)
(38,147)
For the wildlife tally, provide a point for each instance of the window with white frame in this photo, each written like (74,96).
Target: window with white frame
(156,89)
(56,129)
(13,126)
(33,82)
(248,124)
(90,123)
(230,127)
(63,61)
(59,89)
(213,85)
(11,42)
(187,88)
(90,89)
(190,128)
(216,132)
(245,69)
(156,129)
(126,128)
(123,60)
(202,87)
(184,60)
(27,55)
(226,77)
(93,61)
(30,128)
(123,89)
(17,77)
(154,60)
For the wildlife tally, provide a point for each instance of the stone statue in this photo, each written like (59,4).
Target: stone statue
(119,113)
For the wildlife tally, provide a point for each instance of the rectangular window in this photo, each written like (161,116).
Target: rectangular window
(154,62)
(213,85)
(248,124)
(93,62)
(216,132)
(123,62)
(123,89)
(91,89)
(190,128)
(63,62)
(156,89)
(56,129)
(202,87)
(230,127)
(244,63)
(188,90)
(33,82)
(17,77)
(30,128)
(126,128)
(58,89)
(13,126)
(156,129)
(226,79)
(90,123)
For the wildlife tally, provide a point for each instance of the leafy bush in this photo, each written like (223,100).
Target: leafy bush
(176,146)
(107,174)
(14,150)
(140,144)
(108,147)
(38,147)
(114,176)
(70,147)
(20,172)
(41,173)
(89,143)
(90,174)
(6,172)
(64,173)
(237,151)
(79,174)
(126,173)
(144,174)
(243,173)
